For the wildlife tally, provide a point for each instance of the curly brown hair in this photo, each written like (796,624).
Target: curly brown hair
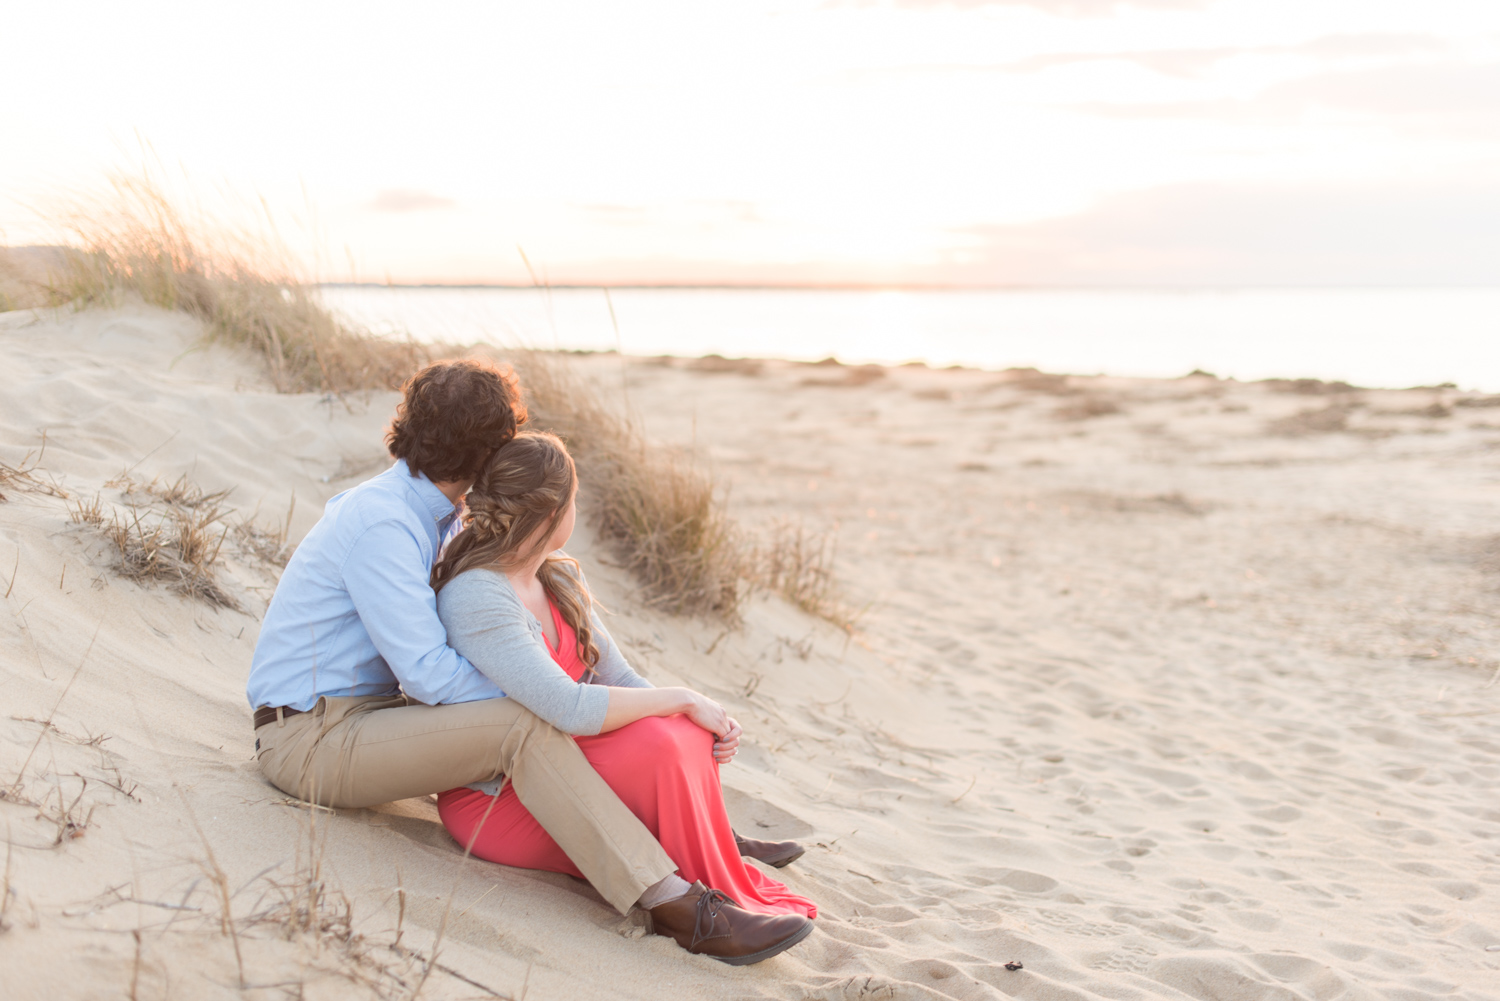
(453,416)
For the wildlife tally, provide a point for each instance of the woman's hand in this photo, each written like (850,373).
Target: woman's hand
(728,744)
(711,716)
(708,714)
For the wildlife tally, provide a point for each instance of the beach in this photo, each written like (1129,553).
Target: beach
(1147,688)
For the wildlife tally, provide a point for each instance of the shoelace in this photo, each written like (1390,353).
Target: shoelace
(709,906)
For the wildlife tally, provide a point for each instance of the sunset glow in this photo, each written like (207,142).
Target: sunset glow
(1155,142)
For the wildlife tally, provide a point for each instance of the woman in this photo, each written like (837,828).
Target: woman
(519,610)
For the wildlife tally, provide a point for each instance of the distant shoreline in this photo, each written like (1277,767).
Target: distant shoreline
(896,287)
(1385,336)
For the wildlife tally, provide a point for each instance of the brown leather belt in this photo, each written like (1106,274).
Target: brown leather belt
(267,714)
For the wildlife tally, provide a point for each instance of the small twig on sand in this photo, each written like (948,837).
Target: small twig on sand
(400,909)
(148,455)
(69,825)
(5,884)
(217,876)
(297,804)
(286,526)
(484,987)
(477,899)
(966,792)
(247,883)
(135,970)
(849,688)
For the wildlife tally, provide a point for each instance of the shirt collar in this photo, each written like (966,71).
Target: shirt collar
(433,500)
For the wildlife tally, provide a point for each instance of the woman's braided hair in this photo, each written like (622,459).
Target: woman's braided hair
(512,510)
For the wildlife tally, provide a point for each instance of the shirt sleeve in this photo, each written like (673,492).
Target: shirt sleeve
(385,577)
(613,669)
(490,627)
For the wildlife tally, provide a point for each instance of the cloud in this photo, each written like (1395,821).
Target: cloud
(1429,234)
(407,200)
(1062,8)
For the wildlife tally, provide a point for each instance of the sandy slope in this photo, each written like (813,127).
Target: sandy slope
(1163,689)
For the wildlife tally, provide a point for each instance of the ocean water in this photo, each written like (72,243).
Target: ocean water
(1391,337)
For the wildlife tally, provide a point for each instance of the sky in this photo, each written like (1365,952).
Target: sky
(964,142)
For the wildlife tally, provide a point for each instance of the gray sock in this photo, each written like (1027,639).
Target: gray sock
(664,890)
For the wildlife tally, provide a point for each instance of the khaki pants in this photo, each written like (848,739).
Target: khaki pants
(364,750)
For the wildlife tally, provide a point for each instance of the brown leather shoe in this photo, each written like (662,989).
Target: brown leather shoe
(709,923)
(773,853)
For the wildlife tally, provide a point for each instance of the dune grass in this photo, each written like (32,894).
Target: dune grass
(662,516)
(798,564)
(173,534)
(134,240)
(665,519)
(177,541)
(24,276)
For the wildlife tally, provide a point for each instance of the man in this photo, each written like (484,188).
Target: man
(359,699)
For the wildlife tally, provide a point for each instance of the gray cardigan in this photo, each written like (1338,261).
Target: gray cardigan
(487,623)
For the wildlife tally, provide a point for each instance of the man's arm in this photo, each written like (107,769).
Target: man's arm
(386,575)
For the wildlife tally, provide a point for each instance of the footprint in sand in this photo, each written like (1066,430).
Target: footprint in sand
(867,988)
(1123,959)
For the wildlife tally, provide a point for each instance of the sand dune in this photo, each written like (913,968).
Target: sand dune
(1161,689)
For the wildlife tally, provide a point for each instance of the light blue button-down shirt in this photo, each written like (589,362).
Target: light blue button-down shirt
(354,614)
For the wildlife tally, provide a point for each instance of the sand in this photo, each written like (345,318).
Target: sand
(1160,689)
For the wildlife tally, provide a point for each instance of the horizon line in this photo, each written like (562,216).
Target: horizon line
(899,286)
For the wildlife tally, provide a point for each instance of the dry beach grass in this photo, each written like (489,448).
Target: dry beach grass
(246,287)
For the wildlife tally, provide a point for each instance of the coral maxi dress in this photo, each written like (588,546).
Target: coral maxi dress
(662,768)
